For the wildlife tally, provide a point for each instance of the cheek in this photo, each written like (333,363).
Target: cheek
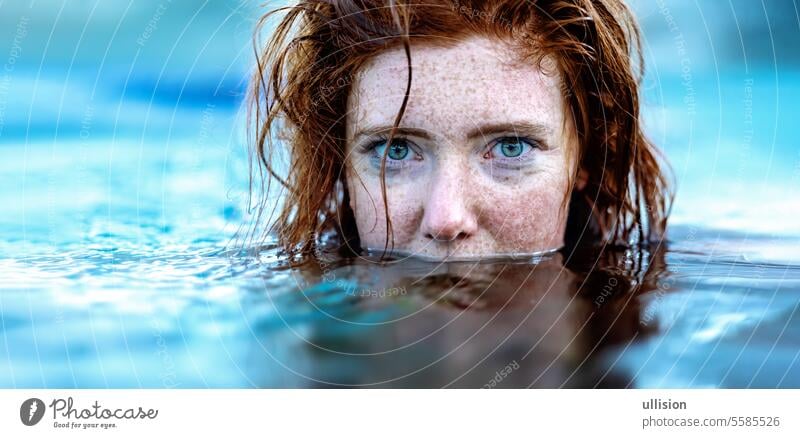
(405,210)
(527,218)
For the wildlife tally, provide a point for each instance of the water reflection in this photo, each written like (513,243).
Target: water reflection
(415,323)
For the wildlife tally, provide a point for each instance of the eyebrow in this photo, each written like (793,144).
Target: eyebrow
(523,127)
(372,131)
(536,129)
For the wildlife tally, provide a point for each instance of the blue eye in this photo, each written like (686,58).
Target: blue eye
(510,147)
(398,151)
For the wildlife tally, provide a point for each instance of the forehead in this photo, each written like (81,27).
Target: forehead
(469,83)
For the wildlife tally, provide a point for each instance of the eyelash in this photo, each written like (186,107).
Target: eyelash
(372,145)
(533,144)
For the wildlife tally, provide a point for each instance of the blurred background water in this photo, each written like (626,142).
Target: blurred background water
(124,172)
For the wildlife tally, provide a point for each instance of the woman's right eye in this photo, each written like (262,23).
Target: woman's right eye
(400,150)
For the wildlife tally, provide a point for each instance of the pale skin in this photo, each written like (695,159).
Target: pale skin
(481,165)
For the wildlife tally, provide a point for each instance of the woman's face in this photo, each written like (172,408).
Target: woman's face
(480,163)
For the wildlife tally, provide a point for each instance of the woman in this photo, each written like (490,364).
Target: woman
(454,129)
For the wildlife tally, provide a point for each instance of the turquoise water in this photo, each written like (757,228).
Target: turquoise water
(123,184)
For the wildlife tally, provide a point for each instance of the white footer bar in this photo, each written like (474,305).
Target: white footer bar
(399,413)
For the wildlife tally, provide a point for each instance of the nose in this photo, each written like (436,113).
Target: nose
(449,211)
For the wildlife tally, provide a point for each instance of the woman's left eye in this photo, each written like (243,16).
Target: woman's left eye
(510,147)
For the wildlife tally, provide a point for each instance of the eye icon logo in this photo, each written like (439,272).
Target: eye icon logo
(31,411)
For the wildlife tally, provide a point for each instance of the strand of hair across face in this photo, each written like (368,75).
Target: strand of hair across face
(407,48)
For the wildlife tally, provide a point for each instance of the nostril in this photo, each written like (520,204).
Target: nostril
(446,237)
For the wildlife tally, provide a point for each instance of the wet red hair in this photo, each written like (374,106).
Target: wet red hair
(304,74)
